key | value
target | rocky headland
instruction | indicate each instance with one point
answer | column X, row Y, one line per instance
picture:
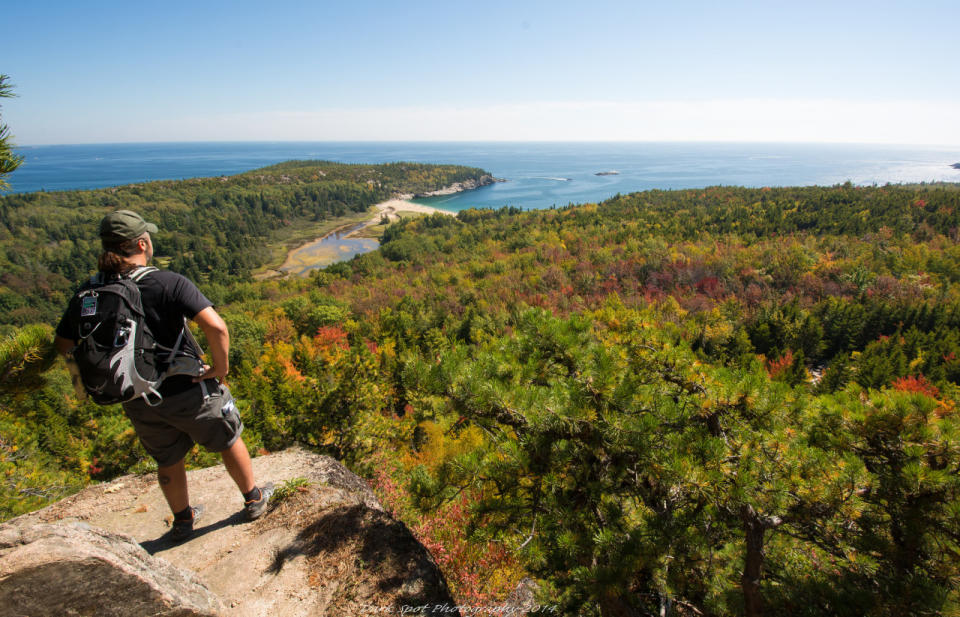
column 459, row 187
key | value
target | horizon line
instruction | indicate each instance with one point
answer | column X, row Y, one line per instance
column 937, row 146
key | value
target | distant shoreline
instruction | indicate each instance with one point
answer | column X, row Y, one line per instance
column 661, row 166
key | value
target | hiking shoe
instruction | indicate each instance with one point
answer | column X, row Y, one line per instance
column 255, row 509
column 181, row 530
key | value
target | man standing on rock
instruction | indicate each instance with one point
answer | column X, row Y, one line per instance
column 193, row 409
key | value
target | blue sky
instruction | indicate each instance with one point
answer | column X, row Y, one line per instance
column 601, row 70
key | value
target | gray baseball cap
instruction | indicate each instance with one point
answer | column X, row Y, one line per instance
column 124, row 225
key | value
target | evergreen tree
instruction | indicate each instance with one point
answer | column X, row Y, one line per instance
column 8, row 160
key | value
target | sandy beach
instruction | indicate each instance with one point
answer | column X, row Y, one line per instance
column 348, row 240
column 392, row 208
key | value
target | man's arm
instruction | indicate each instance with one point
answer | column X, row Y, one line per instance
column 63, row 345
column 218, row 338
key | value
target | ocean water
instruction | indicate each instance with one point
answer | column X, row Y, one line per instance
column 539, row 175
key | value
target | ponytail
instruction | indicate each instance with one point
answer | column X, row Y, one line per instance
column 112, row 260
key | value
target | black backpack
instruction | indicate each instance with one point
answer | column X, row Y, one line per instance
column 117, row 355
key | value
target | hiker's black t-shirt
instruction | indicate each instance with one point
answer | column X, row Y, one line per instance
column 167, row 298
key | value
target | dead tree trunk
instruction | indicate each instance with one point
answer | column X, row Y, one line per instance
column 754, row 528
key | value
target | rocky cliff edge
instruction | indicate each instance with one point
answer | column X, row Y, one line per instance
column 327, row 549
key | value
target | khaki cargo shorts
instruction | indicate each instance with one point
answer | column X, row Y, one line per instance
column 205, row 414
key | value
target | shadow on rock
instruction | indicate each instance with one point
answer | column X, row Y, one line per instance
column 379, row 555
column 164, row 542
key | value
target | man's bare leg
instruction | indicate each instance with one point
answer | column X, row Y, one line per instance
column 173, row 483
column 237, row 461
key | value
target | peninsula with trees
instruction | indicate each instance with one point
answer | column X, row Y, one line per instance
column 216, row 230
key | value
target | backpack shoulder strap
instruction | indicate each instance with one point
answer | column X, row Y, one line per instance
column 139, row 273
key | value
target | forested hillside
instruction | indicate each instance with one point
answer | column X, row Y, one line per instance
column 211, row 229
column 723, row 401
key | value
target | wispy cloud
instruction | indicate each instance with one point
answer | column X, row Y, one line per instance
column 777, row 120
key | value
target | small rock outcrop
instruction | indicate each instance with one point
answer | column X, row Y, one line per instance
column 523, row 598
column 59, row 570
column 328, row 548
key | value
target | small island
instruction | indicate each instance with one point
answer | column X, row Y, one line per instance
column 956, row 166
column 607, row 173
